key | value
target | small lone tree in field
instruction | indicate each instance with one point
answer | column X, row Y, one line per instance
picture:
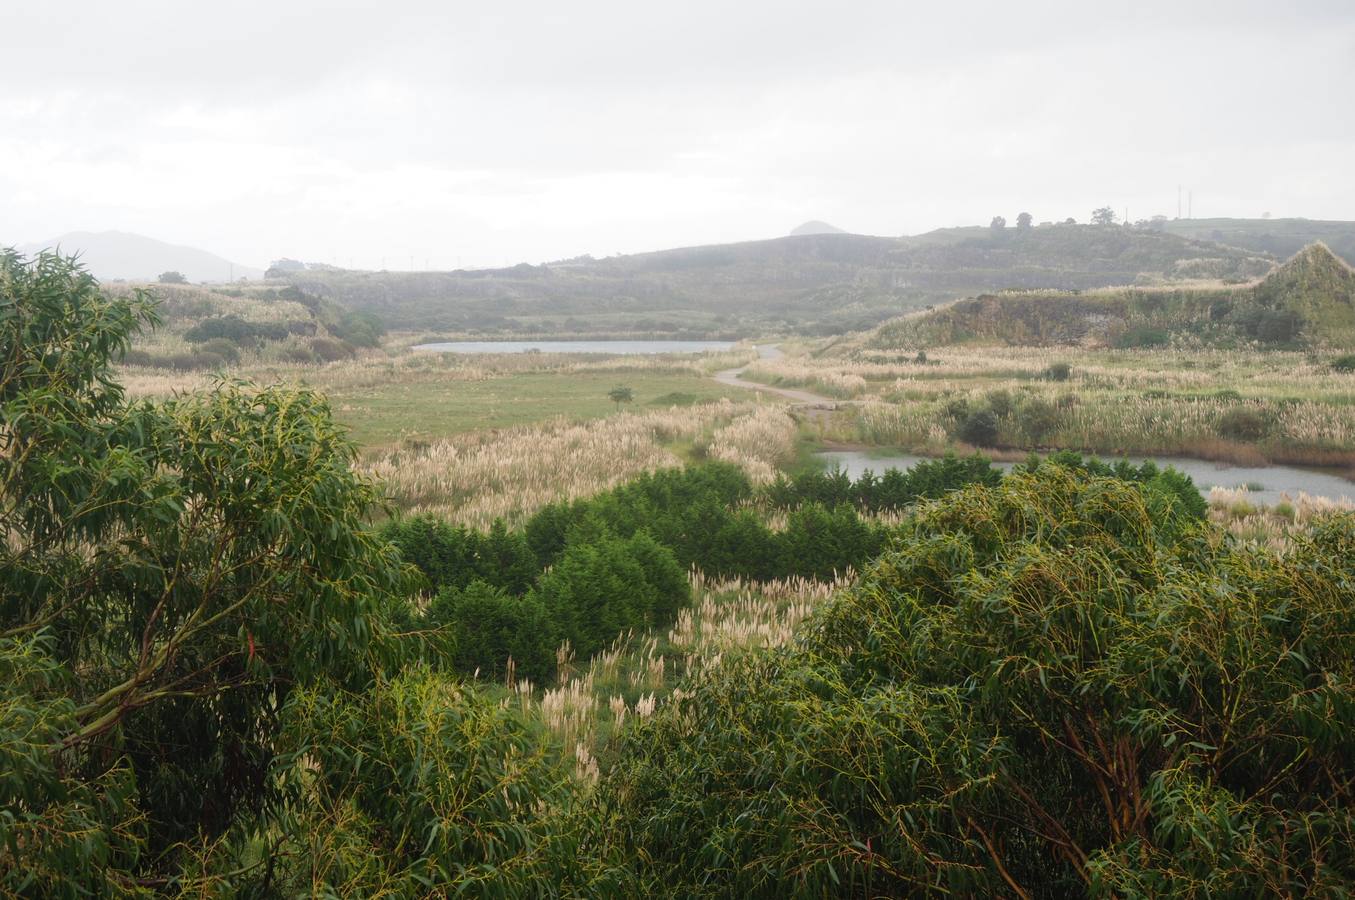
column 172, row 277
column 1103, row 216
column 620, row 394
column 1024, row 220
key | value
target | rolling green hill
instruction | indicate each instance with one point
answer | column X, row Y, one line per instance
column 1308, row 301
column 814, row 283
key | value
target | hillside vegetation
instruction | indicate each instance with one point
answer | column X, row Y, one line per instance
column 1308, row 301
column 1281, row 237
column 818, row 283
column 205, row 329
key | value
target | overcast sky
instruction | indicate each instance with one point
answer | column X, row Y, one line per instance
column 479, row 133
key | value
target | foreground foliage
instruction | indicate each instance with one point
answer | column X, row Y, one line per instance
column 214, row 681
column 1055, row 686
column 157, row 565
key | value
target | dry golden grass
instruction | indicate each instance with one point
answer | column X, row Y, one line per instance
column 637, row 674
column 1164, row 402
column 510, row 473
column 1235, row 510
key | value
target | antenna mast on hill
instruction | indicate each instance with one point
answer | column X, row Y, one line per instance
column 1190, row 205
column 1178, row 201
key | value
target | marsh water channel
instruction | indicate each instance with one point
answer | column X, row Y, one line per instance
column 1265, row 484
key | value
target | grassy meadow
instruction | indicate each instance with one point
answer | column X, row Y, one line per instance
column 1241, row 406
column 401, row 394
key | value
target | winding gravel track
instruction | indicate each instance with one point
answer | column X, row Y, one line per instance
column 771, row 351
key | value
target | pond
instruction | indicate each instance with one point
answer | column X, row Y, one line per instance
column 1266, row 483
column 613, row 347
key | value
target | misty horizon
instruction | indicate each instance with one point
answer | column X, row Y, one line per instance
column 420, row 134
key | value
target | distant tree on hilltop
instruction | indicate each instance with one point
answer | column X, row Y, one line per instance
column 172, row 277
column 1103, row 216
column 998, row 223
column 1024, row 220
column 280, row 267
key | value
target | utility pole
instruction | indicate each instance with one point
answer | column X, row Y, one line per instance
column 1178, row 201
column 1190, row 205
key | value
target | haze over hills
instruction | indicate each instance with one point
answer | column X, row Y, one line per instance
column 814, row 226
column 1308, row 301
column 1282, row 237
column 815, row 283
column 114, row 255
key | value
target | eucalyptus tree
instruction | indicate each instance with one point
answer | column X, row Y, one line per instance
column 169, row 573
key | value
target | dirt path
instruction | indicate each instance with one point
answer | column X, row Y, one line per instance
column 814, row 402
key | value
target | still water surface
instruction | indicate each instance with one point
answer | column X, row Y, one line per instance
column 1272, row 480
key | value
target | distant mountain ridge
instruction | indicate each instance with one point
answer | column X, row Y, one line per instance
column 814, row 226
column 1309, row 300
column 114, row 255
column 811, row 283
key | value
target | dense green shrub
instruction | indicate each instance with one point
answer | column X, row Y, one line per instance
column 454, row 556
column 413, row 788
column 1142, row 336
column 1055, row 687
column 134, row 357
column 486, row 626
column 821, row 543
column 330, row 350
column 297, row 354
column 1059, row 371
column 1344, row 363
column 604, row 586
column 978, row 428
column 894, row 490
column 240, row 332
column 359, row 328
column 999, row 402
column 1244, row 424
column 1177, row 487
column 1038, row 419
column 221, row 347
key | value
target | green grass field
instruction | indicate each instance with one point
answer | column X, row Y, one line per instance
column 385, row 414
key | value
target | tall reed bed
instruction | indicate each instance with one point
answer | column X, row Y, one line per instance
column 1246, row 431
column 475, row 478
column 1237, row 511
column 639, row 673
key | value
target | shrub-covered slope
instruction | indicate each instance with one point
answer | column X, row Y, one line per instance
column 1281, row 237
column 1309, row 300
column 814, row 282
